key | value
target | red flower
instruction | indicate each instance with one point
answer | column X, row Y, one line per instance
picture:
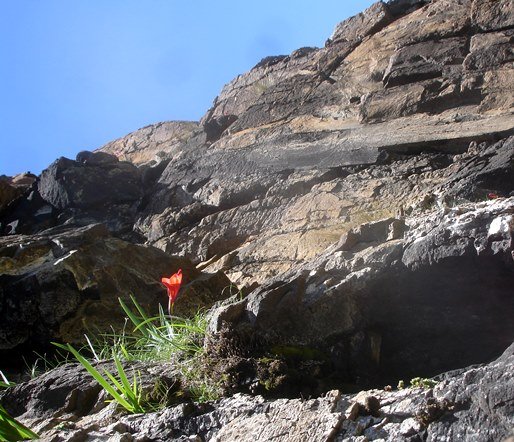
column 173, row 286
column 492, row 196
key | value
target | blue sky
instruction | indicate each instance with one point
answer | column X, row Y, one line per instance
column 75, row 74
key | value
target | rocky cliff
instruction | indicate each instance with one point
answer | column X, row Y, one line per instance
column 360, row 196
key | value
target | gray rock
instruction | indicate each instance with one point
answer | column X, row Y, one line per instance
column 375, row 304
column 472, row 404
column 59, row 284
column 69, row 184
column 489, row 15
column 357, row 193
column 152, row 143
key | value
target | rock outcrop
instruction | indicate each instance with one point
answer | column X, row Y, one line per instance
column 153, row 143
column 387, row 86
column 65, row 282
column 359, row 195
column 396, row 297
column 471, row 404
column 12, row 187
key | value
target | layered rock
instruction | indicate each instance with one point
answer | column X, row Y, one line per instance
column 153, row 143
column 472, row 404
column 395, row 297
column 65, row 282
column 361, row 196
column 397, row 80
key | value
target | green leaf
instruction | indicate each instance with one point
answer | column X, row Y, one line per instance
column 113, row 391
column 133, row 318
column 13, row 430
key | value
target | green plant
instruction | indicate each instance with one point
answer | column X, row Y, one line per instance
column 200, row 383
column 422, row 383
column 10, row 428
column 127, row 394
column 164, row 336
column 232, row 290
column 4, row 383
column 44, row 363
column 13, row 430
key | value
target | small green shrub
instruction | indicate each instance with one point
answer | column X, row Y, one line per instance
column 422, row 383
column 159, row 338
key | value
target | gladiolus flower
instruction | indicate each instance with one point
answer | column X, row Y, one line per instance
column 172, row 284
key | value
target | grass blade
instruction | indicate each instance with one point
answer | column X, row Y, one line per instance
column 13, row 430
column 98, row 377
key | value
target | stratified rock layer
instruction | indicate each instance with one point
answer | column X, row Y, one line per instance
column 282, row 166
column 65, row 282
column 152, row 143
column 359, row 194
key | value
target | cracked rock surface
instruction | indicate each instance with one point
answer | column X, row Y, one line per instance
column 474, row 403
column 359, row 196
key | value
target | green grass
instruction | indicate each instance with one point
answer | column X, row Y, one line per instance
column 10, row 428
column 160, row 338
column 127, row 394
column 157, row 338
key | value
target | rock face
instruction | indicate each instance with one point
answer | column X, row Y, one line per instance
column 472, row 404
column 152, row 143
column 66, row 281
column 272, row 180
column 360, row 195
column 396, row 297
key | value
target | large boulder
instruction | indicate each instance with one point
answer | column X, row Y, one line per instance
column 90, row 182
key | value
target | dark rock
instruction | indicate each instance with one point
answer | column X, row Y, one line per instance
column 358, row 189
column 66, row 281
column 369, row 22
column 490, row 171
column 96, row 158
column 270, row 61
column 303, row 52
column 215, row 127
column 12, row 188
column 27, row 214
column 370, row 303
column 402, row 7
column 64, row 395
column 67, row 183
column 8, row 193
column 474, row 404
column 66, row 389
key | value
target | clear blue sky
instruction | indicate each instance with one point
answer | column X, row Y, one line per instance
column 75, row 74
